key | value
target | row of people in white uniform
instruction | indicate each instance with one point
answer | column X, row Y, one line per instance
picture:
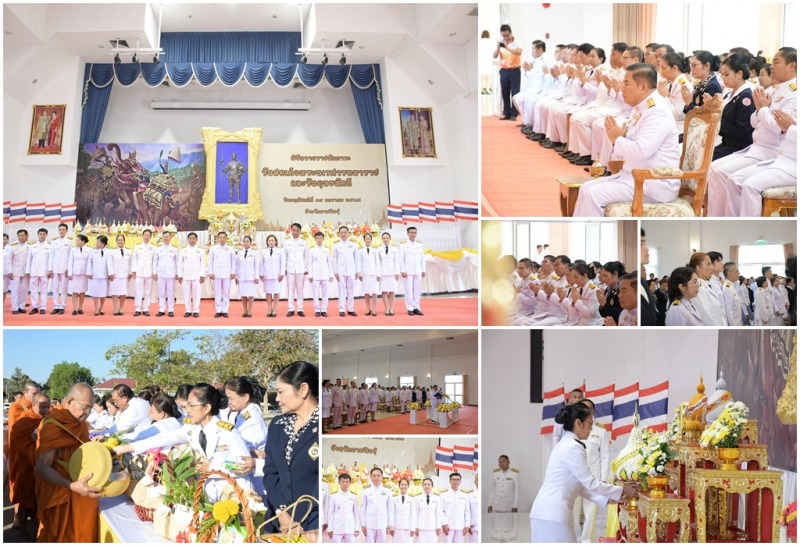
column 101, row 272
column 351, row 404
column 451, row 516
column 708, row 292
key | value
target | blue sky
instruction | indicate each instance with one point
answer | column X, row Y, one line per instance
column 35, row 351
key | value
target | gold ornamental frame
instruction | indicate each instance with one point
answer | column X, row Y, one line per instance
column 411, row 151
column 211, row 137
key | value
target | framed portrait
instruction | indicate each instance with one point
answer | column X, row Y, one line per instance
column 232, row 173
column 47, row 129
column 416, row 125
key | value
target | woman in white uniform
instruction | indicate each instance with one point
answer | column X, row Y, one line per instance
column 567, row 476
column 97, row 270
column 76, row 273
column 405, row 515
column 244, row 412
column 389, row 272
column 708, row 303
column 248, row 270
column 219, row 445
column 764, row 302
column 369, row 268
column 273, row 264
column 118, row 281
column 327, row 404
column 165, row 415
column 682, row 291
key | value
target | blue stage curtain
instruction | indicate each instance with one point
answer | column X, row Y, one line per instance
column 225, row 47
column 256, row 73
column 310, row 74
column 282, row 74
column 126, row 74
column 205, row 73
column 179, row 73
column 230, row 73
column 369, row 103
column 337, row 75
column 95, row 104
column 102, row 74
column 154, row 74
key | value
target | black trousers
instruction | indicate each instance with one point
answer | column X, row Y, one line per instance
column 509, row 86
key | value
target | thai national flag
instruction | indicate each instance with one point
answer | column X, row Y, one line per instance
column 466, row 210
column 34, row 212
column 427, row 212
column 52, row 212
column 69, row 213
column 411, row 212
column 445, row 212
column 444, row 458
column 654, row 407
column 395, row 214
column 475, row 459
column 17, row 212
column 6, row 211
column 553, row 401
column 625, row 400
column 603, row 405
column 462, row 457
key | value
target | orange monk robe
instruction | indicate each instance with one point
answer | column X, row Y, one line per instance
column 15, row 411
column 22, row 460
column 64, row 516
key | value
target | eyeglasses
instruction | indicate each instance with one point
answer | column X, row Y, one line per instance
column 695, row 65
column 195, row 405
column 85, row 408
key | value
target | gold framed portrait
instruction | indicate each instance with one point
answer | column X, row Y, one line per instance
column 416, row 127
column 47, row 129
column 231, row 173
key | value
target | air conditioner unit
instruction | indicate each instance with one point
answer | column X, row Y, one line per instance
column 211, row 105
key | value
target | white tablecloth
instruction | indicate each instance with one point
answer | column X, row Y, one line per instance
column 121, row 518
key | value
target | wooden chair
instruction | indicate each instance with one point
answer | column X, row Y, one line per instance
column 781, row 200
column 700, row 129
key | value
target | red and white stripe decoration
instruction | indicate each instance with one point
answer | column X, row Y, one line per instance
column 436, row 212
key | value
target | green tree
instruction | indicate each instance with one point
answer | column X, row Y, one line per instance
column 150, row 359
column 14, row 383
column 64, row 375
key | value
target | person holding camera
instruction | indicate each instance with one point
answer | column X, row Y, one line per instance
column 510, row 54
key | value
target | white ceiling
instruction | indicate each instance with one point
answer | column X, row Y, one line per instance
column 232, row 17
column 342, row 342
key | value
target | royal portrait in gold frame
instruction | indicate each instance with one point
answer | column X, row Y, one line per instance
column 416, row 131
column 47, row 129
column 231, row 186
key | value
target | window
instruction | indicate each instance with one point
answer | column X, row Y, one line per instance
column 652, row 267
column 454, row 387
column 753, row 257
column 407, row 381
column 370, row 381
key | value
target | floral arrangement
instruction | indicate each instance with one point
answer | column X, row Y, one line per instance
column 224, row 516
column 112, row 441
column 656, row 453
column 414, row 406
column 179, row 483
column 789, row 520
column 726, row 430
column 675, row 427
column 449, row 406
column 427, row 403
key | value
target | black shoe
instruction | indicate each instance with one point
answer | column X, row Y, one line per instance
column 187, row 315
column 160, row 314
column 15, row 312
column 34, row 311
column 324, row 314
column 317, row 313
column 62, row 311
column 552, row 145
column 301, row 314
column 513, row 118
column 171, row 314
column 561, row 149
column 505, row 118
column 411, row 313
column 146, row 313
column 341, row 313
column 290, row 314
column 352, row 313
column 418, row 312
column 80, row 311
column 74, row 313
column 586, row 169
column 544, row 141
column 537, row 136
column 217, row 315
column 54, row 312
column 585, row 160
column 196, row 315
column 224, row 315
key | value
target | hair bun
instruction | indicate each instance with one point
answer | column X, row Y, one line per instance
column 562, row 415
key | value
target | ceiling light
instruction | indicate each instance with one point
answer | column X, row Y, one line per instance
column 324, row 59
column 34, row 81
column 430, row 82
column 155, row 58
column 274, row 15
column 304, row 60
column 452, row 34
column 361, row 47
column 135, row 59
column 117, row 60
column 342, row 60
column 9, row 33
column 450, row 338
column 101, row 46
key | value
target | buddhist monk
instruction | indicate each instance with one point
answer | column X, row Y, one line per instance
column 67, row 509
column 15, row 411
column 23, row 439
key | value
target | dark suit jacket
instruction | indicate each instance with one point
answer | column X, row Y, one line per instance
column 413, row 396
column 424, row 396
column 285, row 484
column 661, row 306
column 735, row 128
column 649, row 314
column 711, row 87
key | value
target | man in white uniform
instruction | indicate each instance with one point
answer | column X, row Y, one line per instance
column 730, row 292
column 221, row 270
column 296, row 269
column 504, row 500
column 412, row 267
column 19, row 281
column 191, row 274
column 454, row 505
column 165, row 269
column 649, row 140
column 345, row 269
column 342, row 514
column 377, row 516
column 37, row 270
column 59, row 258
column 142, row 272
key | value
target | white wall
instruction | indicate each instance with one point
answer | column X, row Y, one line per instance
column 570, row 357
column 675, row 240
column 459, row 357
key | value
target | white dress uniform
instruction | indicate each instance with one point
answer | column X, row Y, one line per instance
column 59, row 260
column 20, row 283
column 142, row 267
column 568, row 475
column 744, row 299
column 248, row 270
column 224, row 445
column 165, row 266
column 675, row 100
column 599, row 461
column 343, row 517
column 191, row 268
column 503, row 497
column 337, row 397
column 454, row 506
column 320, row 272
column 351, row 399
column 38, row 267
column 133, row 419
column 629, row 318
column 412, row 263
column 585, row 311
column 363, row 403
column 253, row 429
column 169, row 424
column 525, row 299
column 778, row 307
column 7, row 250
column 727, row 175
column 376, row 513
column 273, row 265
column 713, row 306
column 733, row 307
column 327, row 403
column 389, row 259
column 346, row 266
column 683, row 312
column 764, row 175
column 405, row 518
column 581, row 124
column 535, row 78
column 296, row 260
column 121, row 258
column 651, row 141
column 373, row 401
column 98, row 266
column 429, row 518
column 474, row 515
column 369, row 268
column 222, row 264
column 553, row 312
column 764, row 306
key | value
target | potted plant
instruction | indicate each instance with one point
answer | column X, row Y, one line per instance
column 656, row 454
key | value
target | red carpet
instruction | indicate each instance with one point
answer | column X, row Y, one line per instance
column 398, row 424
column 518, row 177
column 439, row 311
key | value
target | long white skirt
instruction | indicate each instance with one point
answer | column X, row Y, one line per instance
column 543, row 531
column 98, row 288
column 118, row 287
column 272, row 286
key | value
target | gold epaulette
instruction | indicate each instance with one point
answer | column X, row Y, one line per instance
column 187, row 421
column 676, row 302
column 496, row 470
column 225, row 425
column 515, row 470
column 246, row 415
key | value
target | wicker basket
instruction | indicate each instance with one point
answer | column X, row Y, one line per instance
column 144, row 514
column 154, row 471
column 294, row 531
column 247, row 515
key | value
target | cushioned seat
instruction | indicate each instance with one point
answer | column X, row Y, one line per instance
column 679, row 208
column 779, row 201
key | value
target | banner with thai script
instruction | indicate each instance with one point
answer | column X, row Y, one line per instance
column 383, row 452
column 323, row 183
